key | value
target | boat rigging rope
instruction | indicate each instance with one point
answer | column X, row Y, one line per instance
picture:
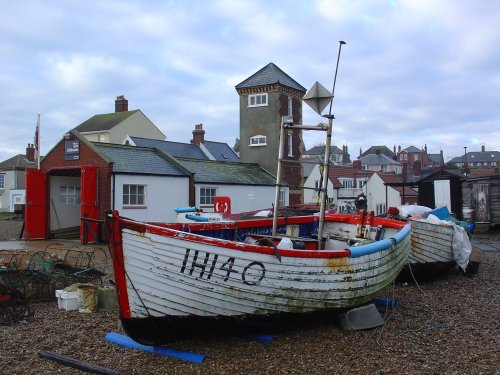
column 368, row 339
column 430, row 309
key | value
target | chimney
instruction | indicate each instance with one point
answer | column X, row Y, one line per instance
column 425, row 148
column 360, row 153
column 30, row 153
column 121, row 104
column 198, row 135
column 483, row 148
column 417, row 168
column 399, row 149
column 442, row 157
column 356, row 164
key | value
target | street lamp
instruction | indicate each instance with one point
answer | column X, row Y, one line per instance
column 465, row 161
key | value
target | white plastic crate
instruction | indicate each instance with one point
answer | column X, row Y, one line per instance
column 68, row 300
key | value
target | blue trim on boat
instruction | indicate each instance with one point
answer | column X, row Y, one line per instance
column 127, row 342
column 374, row 247
column 185, row 209
column 403, row 233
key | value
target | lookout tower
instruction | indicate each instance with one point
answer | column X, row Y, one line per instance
column 265, row 97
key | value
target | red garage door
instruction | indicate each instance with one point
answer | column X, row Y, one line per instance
column 89, row 204
column 36, row 205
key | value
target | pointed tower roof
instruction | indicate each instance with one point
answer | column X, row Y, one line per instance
column 268, row 75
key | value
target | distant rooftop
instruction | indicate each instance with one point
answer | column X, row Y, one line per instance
column 139, row 160
column 378, row 149
column 220, row 151
column 380, row 159
column 104, row 122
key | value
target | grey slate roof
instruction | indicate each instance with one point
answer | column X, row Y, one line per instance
column 320, row 150
column 270, row 74
column 104, row 122
column 436, row 158
column 18, row 162
column 139, row 160
column 382, row 149
column 478, row 157
column 176, row 149
column 412, row 149
column 220, row 151
column 374, row 159
column 216, row 172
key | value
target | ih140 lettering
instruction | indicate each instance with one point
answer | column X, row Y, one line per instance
column 202, row 265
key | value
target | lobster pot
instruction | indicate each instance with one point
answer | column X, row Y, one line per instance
column 467, row 206
column 495, row 202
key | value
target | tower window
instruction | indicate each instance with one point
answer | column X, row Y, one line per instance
column 257, row 100
column 258, row 140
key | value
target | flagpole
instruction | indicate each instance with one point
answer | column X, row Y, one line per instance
column 37, row 140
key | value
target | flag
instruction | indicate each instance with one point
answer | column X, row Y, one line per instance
column 37, row 142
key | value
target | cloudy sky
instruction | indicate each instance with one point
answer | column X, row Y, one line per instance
column 413, row 72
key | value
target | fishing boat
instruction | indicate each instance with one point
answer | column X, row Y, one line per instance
column 439, row 243
column 188, row 279
column 438, row 246
column 176, row 281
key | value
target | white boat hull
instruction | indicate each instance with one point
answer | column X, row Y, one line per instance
column 431, row 243
column 174, row 284
column 172, row 277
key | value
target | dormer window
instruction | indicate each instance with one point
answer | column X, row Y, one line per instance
column 258, row 140
column 257, row 100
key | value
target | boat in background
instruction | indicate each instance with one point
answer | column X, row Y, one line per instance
column 439, row 243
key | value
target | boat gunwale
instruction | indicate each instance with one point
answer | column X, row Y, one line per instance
column 357, row 251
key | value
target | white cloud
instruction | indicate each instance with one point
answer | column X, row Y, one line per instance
column 412, row 72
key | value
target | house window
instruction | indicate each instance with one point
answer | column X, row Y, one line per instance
column 403, row 157
column 258, row 140
column 69, row 195
column 2, row 180
column 257, row 100
column 415, row 157
column 347, row 184
column 380, row 208
column 100, row 138
column 134, row 195
column 207, row 196
column 290, row 107
column 282, row 198
column 290, row 144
